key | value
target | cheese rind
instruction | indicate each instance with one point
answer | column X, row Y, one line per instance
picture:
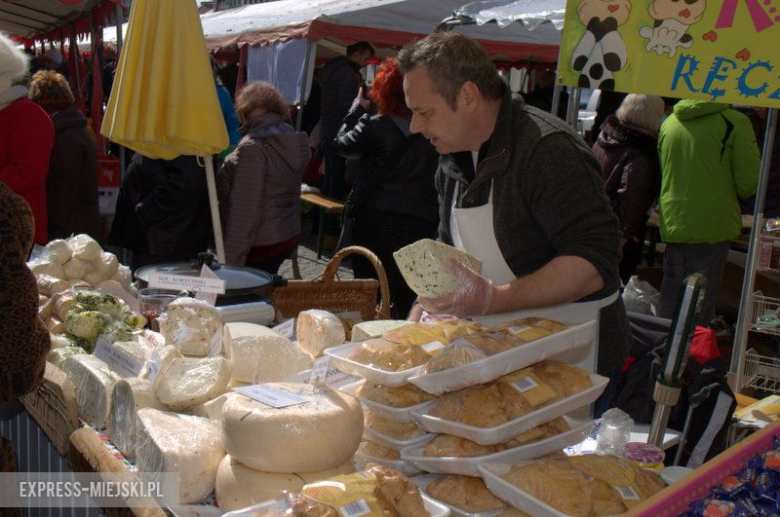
column 189, row 325
column 317, row 330
column 93, row 382
column 190, row 381
column 129, row 395
column 188, row 445
column 239, row 486
column 317, row 435
column 258, row 354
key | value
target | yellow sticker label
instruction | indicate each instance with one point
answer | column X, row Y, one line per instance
column 351, row 495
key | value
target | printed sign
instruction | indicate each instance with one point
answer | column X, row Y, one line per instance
column 195, row 284
column 209, row 296
column 717, row 51
column 271, row 396
column 117, row 359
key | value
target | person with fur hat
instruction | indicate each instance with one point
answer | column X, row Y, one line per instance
column 26, row 136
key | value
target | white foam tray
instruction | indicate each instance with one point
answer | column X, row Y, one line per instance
column 505, row 432
column 424, row 480
column 508, row 492
column 492, row 367
column 392, row 443
column 432, row 506
column 340, row 356
column 404, row 467
column 469, row 466
column 393, row 413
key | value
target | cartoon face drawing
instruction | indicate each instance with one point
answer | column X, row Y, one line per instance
column 603, row 9
column 672, row 20
column 601, row 51
column 684, row 11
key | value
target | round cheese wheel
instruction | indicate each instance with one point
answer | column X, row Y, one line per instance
column 320, row 434
column 239, row 486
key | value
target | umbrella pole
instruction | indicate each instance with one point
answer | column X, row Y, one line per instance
column 214, row 205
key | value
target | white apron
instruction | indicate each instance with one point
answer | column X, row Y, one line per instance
column 472, row 231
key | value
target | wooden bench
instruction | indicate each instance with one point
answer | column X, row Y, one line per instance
column 326, row 205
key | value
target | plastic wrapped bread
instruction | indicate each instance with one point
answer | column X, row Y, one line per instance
column 368, row 329
column 239, row 486
column 128, row 397
column 258, row 354
column 467, row 493
column 317, row 330
column 400, row 397
column 189, row 445
column 93, row 382
column 425, row 267
column 189, row 325
column 400, row 431
column 389, row 356
column 320, row 434
column 190, row 381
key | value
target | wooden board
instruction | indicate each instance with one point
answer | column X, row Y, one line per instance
column 53, row 406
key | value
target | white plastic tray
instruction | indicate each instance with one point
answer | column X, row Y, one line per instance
column 424, row 480
column 393, row 413
column 506, row 491
column 505, row 432
column 404, row 467
column 432, row 506
column 469, row 466
column 340, row 356
column 392, row 443
column 492, row 367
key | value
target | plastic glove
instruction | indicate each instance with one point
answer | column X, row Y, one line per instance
column 471, row 297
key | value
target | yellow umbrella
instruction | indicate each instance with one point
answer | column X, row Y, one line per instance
column 164, row 102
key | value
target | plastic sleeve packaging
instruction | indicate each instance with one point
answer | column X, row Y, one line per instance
column 46, row 266
column 128, row 397
column 84, row 247
column 59, row 251
column 48, row 285
column 257, row 354
column 189, row 445
column 191, row 381
column 459, row 352
column 368, row 329
column 239, row 486
column 395, row 430
column 317, row 330
column 189, row 325
column 58, row 355
column 316, row 435
column 400, row 397
column 93, row 383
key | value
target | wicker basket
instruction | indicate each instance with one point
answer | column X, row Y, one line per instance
column 327, row 292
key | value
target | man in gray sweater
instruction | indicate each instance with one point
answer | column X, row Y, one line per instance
column 518, row 189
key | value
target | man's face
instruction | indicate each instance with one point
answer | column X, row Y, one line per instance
column 447, row 129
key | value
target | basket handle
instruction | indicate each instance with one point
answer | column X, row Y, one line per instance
column 383, row 310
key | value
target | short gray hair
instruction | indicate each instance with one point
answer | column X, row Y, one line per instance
column 642, row 111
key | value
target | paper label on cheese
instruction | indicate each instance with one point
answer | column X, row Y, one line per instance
column 319, row 373
column 272, row 396
column 433, row 347
column 117, row 360
column 153, row 365
column 208, row 296
column 215, row 345
column 287, row 328
column 195, row 284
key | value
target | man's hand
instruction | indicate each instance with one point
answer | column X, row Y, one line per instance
column 362, row 101
column 416, row 313
column 471, row 297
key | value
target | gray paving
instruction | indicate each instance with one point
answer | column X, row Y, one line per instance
column 308, row 263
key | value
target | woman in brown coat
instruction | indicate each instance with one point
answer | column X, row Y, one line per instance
column 259, row 185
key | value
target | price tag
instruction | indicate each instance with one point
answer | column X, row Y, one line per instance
column 525, row 384
column 195, row 284
column 215, row 345
column 432, row 347
column 153, row 366
column 209, row 296
column 117, row 359
column 287, row 328
column 628, row 493
column 355, row 509
column 319, row 373
column 271, row 396
column 338, row 379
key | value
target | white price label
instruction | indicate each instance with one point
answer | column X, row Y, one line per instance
column 271, row 396
column 518, row 329
column 208, row 296
column 287, row 328
column 432, row 347
column 525, row 384
column 627, row 493
column 215, row 345
column 195, row 284
column 153, row 366
column 319, row 373
column 117, row 360
column 355, row 509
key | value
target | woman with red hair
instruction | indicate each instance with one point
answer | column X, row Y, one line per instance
column 393, row 201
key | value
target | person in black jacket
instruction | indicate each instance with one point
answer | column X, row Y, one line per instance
column 162, row 213
column 339, row 80
column 393, row 202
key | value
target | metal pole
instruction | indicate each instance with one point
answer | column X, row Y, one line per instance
column 216, row 223
column 304, row 81
column 120, row 18
column 748, row 281
column 572, row 109
column 556, row 100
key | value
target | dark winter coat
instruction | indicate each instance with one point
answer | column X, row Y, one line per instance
column 71, row 184
column 339, row 81
column 259, row 187
column 24, row 342
column 632, row 175
column 163, row 208
column 396, row 169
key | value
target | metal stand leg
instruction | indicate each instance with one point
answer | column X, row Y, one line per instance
column 321, row 233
